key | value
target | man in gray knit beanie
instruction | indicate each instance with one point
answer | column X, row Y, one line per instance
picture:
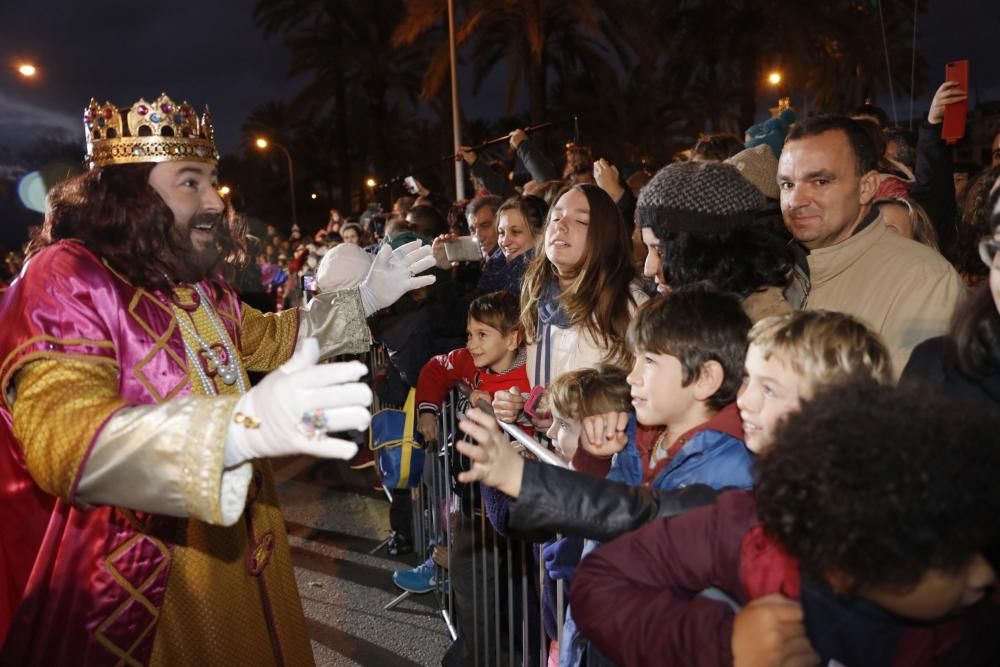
column 700, row 197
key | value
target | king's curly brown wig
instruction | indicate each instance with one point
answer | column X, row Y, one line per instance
column 116, row 214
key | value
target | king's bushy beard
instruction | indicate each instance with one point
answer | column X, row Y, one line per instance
column 194, row 261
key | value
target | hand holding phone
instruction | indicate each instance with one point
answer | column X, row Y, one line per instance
column 462, row 249
column 953, row 128
column 535, row 407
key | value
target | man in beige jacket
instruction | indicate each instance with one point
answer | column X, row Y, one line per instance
column 848, row 259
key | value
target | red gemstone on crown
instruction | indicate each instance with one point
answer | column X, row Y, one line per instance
column 108, row 113
column 167, row 107
column 142, row 110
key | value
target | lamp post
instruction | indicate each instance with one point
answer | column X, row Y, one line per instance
column 455, row 120
column 263, row 143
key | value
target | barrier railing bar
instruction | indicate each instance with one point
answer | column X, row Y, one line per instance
column 536, row 448
column 510, row 605
column 542, row 658
column 496, row 597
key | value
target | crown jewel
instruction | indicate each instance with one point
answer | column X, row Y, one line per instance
column 157, row 131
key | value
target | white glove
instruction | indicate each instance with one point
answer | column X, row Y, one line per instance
column 293, row 408
column 394, row 273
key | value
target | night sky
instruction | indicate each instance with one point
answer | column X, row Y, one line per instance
column 210, row 52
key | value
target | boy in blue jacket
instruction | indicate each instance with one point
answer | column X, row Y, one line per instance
column 689, row 351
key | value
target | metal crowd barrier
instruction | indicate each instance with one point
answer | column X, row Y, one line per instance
column 488, row 588
column 378, row 358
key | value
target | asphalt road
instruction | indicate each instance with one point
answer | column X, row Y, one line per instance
column 335, row 516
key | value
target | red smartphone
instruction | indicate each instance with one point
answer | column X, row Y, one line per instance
column 953, row 127
column 531, row 404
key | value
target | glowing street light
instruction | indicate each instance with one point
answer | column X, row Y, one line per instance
column 774, row 78
column 371, row 182
column 263, row 144
column 312, row 196
column 27, row 70
column 224, row 191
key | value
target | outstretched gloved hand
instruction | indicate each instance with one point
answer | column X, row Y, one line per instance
column 293, row 408
column 394, row 273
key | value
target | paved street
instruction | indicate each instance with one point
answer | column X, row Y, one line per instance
column 335, row 517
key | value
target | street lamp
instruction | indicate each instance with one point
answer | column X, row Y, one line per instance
column 455, row 118
column 27, row 70
column 262, row 144
column 224, row 191
column 370, row 182
column 774, row 78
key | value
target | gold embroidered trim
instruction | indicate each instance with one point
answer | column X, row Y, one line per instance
column 202, row 457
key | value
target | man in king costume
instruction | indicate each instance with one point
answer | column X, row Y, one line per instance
column 140, row 523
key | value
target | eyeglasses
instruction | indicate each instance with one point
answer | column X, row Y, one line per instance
column 988, row 250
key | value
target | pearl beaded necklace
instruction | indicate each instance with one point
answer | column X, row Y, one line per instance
column 229, row 372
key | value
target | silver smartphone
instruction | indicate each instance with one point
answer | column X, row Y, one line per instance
column 462, row 249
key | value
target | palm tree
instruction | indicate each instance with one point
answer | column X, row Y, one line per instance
column 831, row 52
column 356, row 77
column 531, row 37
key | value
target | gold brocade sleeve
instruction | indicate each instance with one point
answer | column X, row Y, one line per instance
column 58, row 409
column 336, row 319
column 165, row 458
column 267, row 339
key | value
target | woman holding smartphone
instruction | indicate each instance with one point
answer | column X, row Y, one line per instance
column 520, row 221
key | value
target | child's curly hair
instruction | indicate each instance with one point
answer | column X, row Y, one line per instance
column 882, row 484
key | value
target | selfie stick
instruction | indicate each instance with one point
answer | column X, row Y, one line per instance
column 502, row 138
column 492, row 142
column 532, row 445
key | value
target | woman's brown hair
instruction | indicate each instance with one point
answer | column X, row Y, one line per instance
column 599, row 299
column 973, row 342
column 117, row 215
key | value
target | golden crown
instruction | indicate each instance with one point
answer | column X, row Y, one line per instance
column 148, row 132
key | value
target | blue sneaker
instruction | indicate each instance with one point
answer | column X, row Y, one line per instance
column 420, row 579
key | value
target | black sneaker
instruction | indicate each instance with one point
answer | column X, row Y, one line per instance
column 399, row 545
